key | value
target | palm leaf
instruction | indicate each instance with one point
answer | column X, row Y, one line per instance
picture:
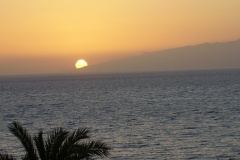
column 39, row 142
column 71, row 140
column 26, row 140
column 78, row 157
column 60, row 145
column 54, row 143
column 90, row 149
column 6, row 157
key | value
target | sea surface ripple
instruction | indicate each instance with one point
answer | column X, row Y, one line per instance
column 168, row 115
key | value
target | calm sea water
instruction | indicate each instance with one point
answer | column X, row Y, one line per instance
column 174, row 115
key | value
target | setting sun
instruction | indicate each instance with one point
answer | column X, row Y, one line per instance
column 81, row 63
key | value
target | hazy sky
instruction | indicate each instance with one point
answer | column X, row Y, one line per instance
column 47, row 36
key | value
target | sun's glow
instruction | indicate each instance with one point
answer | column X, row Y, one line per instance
column 81, row 63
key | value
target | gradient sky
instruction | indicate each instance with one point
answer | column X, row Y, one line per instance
column 43, row 36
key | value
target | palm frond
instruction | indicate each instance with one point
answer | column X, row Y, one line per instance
column 71, row 140
column 54, row 143
column 90, row 149
column 60, row 145
column 79, row 134
column 78, row 157
column 6, row 157
column 26, row 140
column 39, row 142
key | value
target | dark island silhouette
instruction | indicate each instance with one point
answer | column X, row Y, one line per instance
column 205, row 56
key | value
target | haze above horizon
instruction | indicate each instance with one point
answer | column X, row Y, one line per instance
column 41, row 37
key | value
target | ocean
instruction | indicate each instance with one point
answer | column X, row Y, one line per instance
column 165, row 115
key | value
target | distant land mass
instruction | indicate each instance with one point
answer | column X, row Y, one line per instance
column 205, row 56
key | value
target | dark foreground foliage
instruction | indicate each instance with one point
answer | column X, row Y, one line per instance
column 59, row 145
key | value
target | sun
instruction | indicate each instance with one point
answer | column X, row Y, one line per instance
column 81, row 63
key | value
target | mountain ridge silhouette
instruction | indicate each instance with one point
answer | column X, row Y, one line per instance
column 219, row 55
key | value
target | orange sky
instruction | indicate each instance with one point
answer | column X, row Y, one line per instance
column 49, row 36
